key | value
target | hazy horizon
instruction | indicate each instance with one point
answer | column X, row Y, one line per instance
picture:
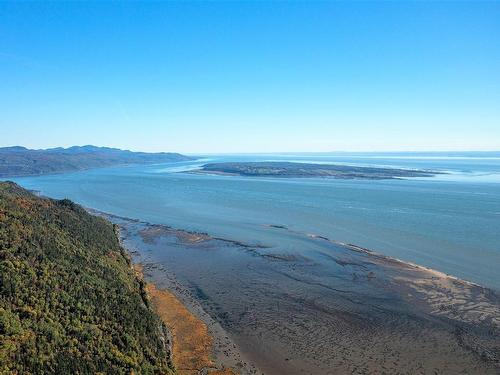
column 464, row 151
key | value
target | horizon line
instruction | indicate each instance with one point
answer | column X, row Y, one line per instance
column 268, row 152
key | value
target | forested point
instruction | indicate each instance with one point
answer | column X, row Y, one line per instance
column 69, row 300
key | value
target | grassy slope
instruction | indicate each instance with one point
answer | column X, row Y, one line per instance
column 69, row 301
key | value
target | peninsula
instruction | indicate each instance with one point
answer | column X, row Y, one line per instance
column 21, row 161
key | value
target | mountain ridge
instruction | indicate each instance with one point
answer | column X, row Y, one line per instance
column 17, row 161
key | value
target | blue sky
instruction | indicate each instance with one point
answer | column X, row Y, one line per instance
column 251, row 77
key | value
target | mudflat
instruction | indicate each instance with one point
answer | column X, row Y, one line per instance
column 325, row 308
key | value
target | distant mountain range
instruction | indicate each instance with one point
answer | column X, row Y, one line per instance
column 21, row 161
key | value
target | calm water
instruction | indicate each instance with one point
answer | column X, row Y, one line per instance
column 451, row 222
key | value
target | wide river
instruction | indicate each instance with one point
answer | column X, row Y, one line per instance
column 450, row 223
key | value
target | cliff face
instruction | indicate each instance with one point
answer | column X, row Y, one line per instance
column 69, row 300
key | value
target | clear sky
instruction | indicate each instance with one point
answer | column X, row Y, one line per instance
column 251, row 77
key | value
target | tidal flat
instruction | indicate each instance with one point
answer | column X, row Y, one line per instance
column 325, row 308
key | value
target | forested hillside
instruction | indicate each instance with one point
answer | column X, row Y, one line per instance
column 69, row 300
column 20, row 161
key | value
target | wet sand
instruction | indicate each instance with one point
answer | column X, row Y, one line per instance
column 326, row 308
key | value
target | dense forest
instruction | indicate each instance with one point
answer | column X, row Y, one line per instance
column 69, row 300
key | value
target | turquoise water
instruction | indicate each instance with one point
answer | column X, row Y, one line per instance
column 450, row 223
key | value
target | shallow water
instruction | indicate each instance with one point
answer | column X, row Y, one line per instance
column 450, row 222
column 326, row 308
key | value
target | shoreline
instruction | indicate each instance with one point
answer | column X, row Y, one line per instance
column 350, row 246
column 225, row 355
column 199, row 344
column 434, row 295
column 191, row 343
column 223, row 358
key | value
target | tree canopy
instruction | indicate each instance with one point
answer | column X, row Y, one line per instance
column 70, row 302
